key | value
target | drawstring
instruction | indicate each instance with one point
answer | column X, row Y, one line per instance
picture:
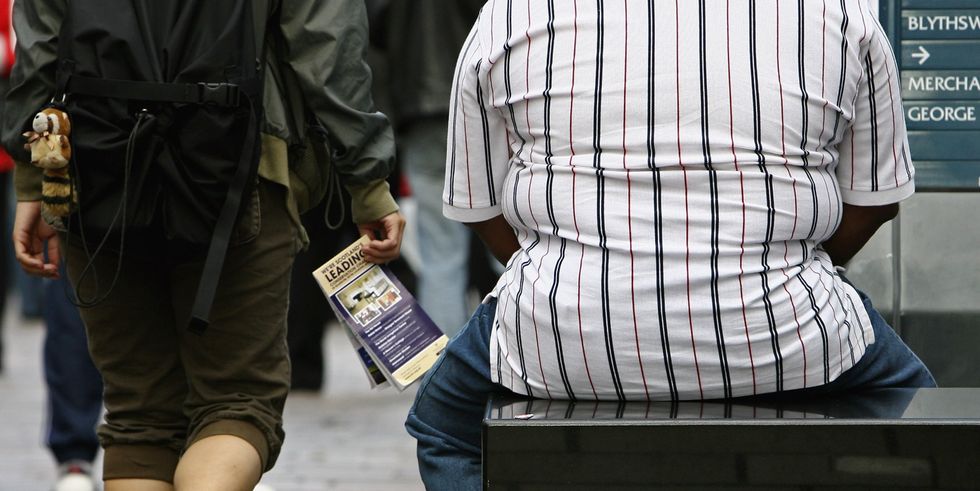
column 141, row 117
column 334, row 190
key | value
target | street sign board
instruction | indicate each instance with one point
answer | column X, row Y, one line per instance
column 938, row 48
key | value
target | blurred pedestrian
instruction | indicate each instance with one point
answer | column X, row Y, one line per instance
column 74, row 389
column 422, row 39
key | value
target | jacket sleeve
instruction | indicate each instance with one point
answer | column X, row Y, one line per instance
column 32, row 82
column 325, row 43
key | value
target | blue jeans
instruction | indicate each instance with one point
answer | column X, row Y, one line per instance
column 451, row 402
column 444, row 245
column 74, row 385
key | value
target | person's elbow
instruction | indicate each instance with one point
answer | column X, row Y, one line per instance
column 886, row 213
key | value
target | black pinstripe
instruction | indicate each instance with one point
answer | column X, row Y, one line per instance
column 823, row 328
column 600, row 204
column 491, row 186
column 770, row 205
column 713, row 184
column 553, row 293
column 658, row 224
column 843, row 67
column 873, row 103
column 805, row 110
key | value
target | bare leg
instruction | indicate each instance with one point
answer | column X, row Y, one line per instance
column 137, row 485
column 218, row 463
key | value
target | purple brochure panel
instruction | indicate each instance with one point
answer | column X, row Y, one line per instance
column 386, row 318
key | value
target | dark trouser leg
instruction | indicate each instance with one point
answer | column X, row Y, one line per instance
column 131, row 336
column 238, row 370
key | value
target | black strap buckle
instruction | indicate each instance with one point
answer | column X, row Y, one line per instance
column 221, row 94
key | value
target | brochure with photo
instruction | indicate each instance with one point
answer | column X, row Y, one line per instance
column 393, row 335
column 374, row 374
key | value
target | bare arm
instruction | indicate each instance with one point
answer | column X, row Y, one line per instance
column 857, row 225
column 498, row 235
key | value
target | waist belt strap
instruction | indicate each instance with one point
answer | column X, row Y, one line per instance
column 207, row 286
column 221, row 94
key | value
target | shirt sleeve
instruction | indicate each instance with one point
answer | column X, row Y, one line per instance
column 478, row 152
column 875, row 168
column 32, row 83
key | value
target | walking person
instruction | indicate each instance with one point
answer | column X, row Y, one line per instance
column 181, row 243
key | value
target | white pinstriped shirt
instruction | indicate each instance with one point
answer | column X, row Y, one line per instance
column 671, row 168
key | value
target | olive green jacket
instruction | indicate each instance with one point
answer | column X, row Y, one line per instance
column 315, row 72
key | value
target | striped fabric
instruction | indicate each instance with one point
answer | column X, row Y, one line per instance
column 670, row 168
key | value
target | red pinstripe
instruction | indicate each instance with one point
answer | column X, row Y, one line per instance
column 891, row 98
column 782, row 121
column 741, row 182
column 527, row 83
column 782, row 126
column 687, row 211
column 823, row 91
column 578, row 234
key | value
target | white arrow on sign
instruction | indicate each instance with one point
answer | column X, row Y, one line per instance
column 923, row 55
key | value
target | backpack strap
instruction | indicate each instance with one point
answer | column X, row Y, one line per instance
column 207, row 287
column 221, row 94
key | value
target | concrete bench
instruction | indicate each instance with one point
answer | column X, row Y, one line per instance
column 889, row 439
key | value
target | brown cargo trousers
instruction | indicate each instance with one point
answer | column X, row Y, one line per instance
column 165, row 387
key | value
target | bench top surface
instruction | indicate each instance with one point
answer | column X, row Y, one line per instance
column 960, row 405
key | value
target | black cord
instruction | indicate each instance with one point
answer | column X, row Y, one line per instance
column 334, row 190
column 79, row 301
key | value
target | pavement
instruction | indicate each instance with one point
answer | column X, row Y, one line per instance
column 346, row 438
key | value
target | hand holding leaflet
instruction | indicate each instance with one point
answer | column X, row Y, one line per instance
column 384, row 320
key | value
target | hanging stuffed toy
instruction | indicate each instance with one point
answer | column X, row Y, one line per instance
column 51, row 151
